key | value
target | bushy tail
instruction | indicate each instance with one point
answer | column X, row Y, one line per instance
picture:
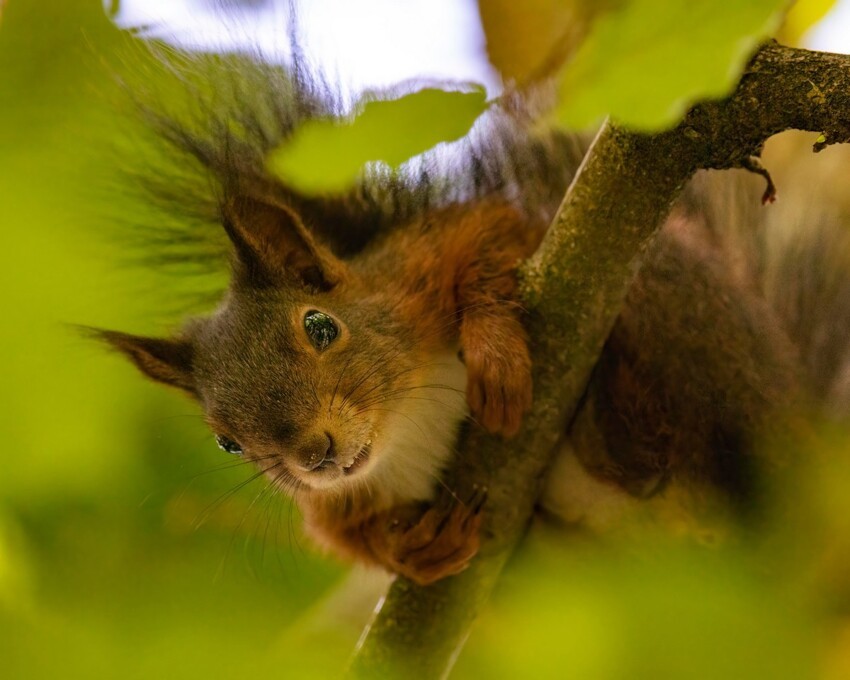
column 215, row 119
column 796, row 251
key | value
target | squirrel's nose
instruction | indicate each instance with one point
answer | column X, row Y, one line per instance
column 316, row 452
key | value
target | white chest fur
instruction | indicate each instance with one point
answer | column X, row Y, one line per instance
column 421, row 433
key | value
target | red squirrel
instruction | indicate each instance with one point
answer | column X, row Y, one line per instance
column 347, row 380
column 359, row 332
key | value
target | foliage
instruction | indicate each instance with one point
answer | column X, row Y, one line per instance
column 643, row 62
column 771, row 601
column 326, row 155
column 119, row 558
column 103, row 572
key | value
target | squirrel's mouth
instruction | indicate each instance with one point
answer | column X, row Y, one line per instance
column 359, row 460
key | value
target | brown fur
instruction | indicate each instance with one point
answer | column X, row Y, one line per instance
column 462, row 264
column 422, row 542
column 441, row 284
column 697, row 370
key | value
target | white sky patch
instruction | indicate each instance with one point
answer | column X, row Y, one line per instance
column 833, row 33
column 364, row 44
column 360, row 45
column 197, row 25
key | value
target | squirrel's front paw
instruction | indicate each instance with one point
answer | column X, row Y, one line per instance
column 439, row 543
column 498, row 381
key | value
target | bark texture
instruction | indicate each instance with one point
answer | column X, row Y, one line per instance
column 573, row 288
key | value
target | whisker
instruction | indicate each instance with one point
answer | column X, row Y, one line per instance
column 398, row 397
column 228, row 466
column 235, row 532
column 177, row 416
column 396, row 348
column 267, row 510
column 398, row 413
column 396, row 375
column 338, row 380
column 385, row 396
column 187, row 482
column 371, row 370
column 205, row 514
column 445, row 486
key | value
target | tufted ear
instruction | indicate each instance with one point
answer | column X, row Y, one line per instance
column 273, row 247
column 166, row 361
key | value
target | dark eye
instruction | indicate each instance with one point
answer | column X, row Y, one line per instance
column 321, row 329
column 228, row 445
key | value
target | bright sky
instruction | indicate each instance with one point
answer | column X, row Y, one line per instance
column 833, row 33
column 368, row 43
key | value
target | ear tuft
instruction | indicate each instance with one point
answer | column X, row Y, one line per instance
column 165, row 361
column 274, row 247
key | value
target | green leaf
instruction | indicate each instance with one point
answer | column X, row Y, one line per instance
column 531, row 39
column 326, row 156
column 647, row 62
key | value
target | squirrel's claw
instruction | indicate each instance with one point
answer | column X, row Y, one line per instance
column 440, row 543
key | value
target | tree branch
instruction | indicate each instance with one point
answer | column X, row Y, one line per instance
column 574, row 287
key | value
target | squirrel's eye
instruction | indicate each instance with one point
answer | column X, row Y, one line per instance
column 228, row 445
column 321, row 329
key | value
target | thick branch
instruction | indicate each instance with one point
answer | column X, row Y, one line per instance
column 574, row 287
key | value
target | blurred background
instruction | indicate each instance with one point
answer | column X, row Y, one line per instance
column 130, row 546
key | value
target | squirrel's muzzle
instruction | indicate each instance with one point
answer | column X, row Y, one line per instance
column 316, row 452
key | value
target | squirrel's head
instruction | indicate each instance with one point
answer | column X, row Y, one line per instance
column 304, row 368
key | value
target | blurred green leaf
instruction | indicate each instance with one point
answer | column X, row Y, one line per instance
column 647, row 62
column 657, row 609
column 121, row 557
column 15, row 569
column 528, row 40
column 105, row 480
column 326, row 156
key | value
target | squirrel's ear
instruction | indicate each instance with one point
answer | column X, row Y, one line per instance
column 273, row 246
column 166, row 361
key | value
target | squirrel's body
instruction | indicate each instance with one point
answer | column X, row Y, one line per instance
column 360, row 331
column 697, row 374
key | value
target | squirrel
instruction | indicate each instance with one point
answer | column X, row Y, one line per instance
column 342, row 379
column 360, row 332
